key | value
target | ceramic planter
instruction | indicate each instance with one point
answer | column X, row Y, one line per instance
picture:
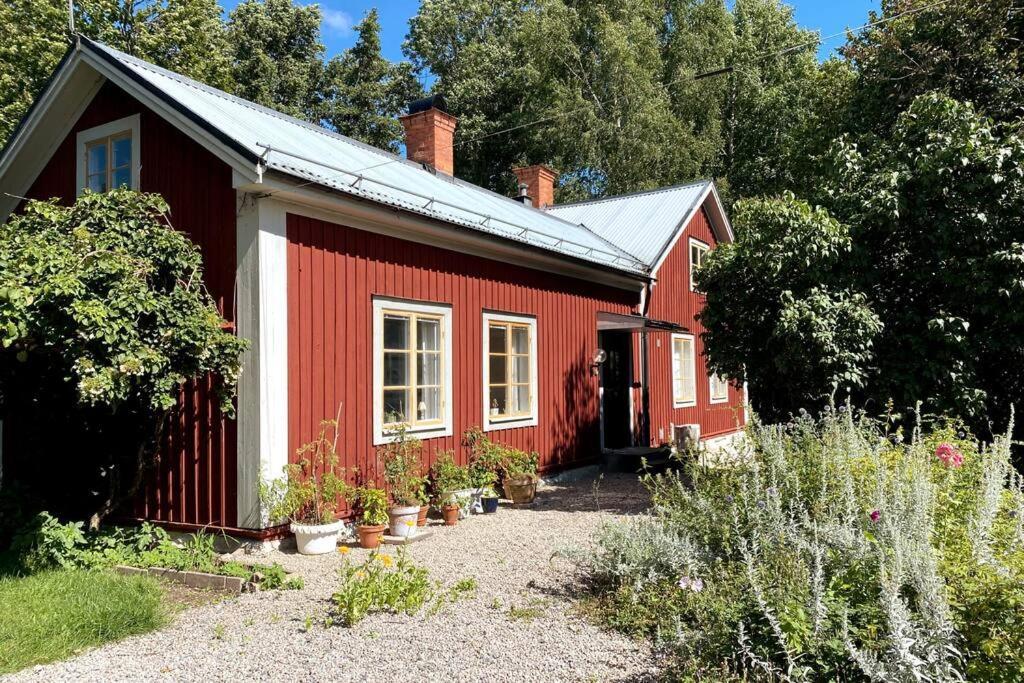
column 369, row 536
column 469, row 500
column 450, row 514
column 403, row 520
column 316, row 539
column 421, row 520
column 490, row 505
column 522, row 490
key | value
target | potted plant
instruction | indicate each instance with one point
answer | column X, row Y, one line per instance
column 520, row 476
column 309, row 493
column 373, row 516
column 489, row 500
column 450, row 510
column 449, row 482
column 401, row 460
column 424, row 499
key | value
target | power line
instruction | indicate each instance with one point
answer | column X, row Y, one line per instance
column 696, row 77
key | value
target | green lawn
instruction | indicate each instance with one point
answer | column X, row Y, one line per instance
column 52, row 615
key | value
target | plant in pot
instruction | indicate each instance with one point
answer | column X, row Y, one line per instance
column 520, row 476
column 449, row 483
column 424, row 500
column 489, row 500
column 450, row 510
column 373, row 516
column 309, row 493
column 400, row 458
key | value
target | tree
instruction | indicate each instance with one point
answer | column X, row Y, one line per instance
column 278, row 56
column 778, row 312
column 103, row 318
column 365, row 92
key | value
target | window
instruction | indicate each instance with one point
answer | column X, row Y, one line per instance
column 698, row 252
column 412, row 368
column 510, row 371
column 719, row 388
column 108, row 156
column 684, row 387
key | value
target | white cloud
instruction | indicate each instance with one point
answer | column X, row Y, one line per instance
column 336, row 20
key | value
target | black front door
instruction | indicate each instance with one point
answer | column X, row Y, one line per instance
column 617, row 380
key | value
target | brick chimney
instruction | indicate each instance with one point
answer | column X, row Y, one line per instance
column 540, row 184
column 430, row 134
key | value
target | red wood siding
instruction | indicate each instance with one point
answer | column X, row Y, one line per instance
column 333, row 274
column 195, row 479
column 672, row 300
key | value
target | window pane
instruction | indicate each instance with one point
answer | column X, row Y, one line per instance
column 520, row 340
column 122, row 152
column 122, row 177
column 428, row 369
column 428, row 404
column 520, row 369
column 98, row 183
column 428, row 335
column 499, row 400
column 521, row 399
column 97, row 159
column 498, row 373
column 396, row 406
column 498, row 339
column 396, row 332
column 396, row 369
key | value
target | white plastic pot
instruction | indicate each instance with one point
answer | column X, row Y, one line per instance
column 469, row 501
column 316, row 539
column 403, row 520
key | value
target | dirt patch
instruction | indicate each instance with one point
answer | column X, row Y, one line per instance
column 180, row 597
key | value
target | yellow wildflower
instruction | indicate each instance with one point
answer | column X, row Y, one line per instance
column 344, row 549
column 385, row 560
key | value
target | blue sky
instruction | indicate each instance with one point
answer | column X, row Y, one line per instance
column 827, row 16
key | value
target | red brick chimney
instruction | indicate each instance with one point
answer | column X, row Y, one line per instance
column 430, row 134
column 540, row 184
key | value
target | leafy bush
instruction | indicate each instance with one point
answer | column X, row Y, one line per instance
column 838, row 550
column 490, row 461
column 401, row 460
column 373, row 506
column 380, row 584
column 447, row 476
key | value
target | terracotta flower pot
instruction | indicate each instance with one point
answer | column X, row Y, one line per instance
column 421, row 520
column 521, row 490
column 451, row 514
column 369, row 536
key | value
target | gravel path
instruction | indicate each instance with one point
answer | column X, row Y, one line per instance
column 263, row 636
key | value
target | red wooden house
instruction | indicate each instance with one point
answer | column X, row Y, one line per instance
column 385, row 286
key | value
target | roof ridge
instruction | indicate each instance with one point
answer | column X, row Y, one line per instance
column 639, row 193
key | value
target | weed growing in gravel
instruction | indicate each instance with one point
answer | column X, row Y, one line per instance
column 219, row 631
column 381, row 584
column 524, row 613
column 463, row 586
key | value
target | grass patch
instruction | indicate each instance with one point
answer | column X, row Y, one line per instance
column 59, row 613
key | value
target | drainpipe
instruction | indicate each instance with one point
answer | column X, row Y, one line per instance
column 645, row 392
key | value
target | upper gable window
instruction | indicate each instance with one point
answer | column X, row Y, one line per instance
column 698, row 252
column 108, row 156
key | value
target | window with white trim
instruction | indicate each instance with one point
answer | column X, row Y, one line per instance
column 412, row 368
column 108, row 156
column 684, row 386
column 510, row 371
column 698, row 252
column 718, row 388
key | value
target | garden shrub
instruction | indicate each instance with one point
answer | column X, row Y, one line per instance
column 837, row 550
column 380, row 584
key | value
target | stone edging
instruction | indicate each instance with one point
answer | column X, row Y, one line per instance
column 232, row 584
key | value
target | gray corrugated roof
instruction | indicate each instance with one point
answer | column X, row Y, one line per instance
column 643, row 224
column 315, row 154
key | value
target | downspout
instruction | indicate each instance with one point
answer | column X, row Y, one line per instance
column 645, row 392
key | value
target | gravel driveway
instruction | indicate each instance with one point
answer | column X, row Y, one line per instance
column 263, row 636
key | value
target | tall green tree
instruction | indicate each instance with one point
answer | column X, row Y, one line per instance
column 278, row 59
column 365, row 92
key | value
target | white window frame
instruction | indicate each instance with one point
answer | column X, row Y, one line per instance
column 444, row 312
column 528, row 419
column 711, row 388
column 676, row 401
column 130, row 125
column 704, row 248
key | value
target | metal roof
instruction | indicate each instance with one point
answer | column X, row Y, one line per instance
column 643, row 223
column 321, row 157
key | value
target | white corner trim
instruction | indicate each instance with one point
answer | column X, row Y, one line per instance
column 529, row 420
column 128, row 124
column 672, row 369
column 262, row 315
column 380, row 303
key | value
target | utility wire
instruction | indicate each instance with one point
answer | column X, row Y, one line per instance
column 696, row 77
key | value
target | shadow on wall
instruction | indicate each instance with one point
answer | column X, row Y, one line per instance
column 575, row 429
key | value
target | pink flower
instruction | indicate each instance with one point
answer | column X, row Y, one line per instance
column 875, row 515
column 695, row 585
column 949, row 455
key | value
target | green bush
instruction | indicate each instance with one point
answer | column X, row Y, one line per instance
column 837, row 550
column 380, row 584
